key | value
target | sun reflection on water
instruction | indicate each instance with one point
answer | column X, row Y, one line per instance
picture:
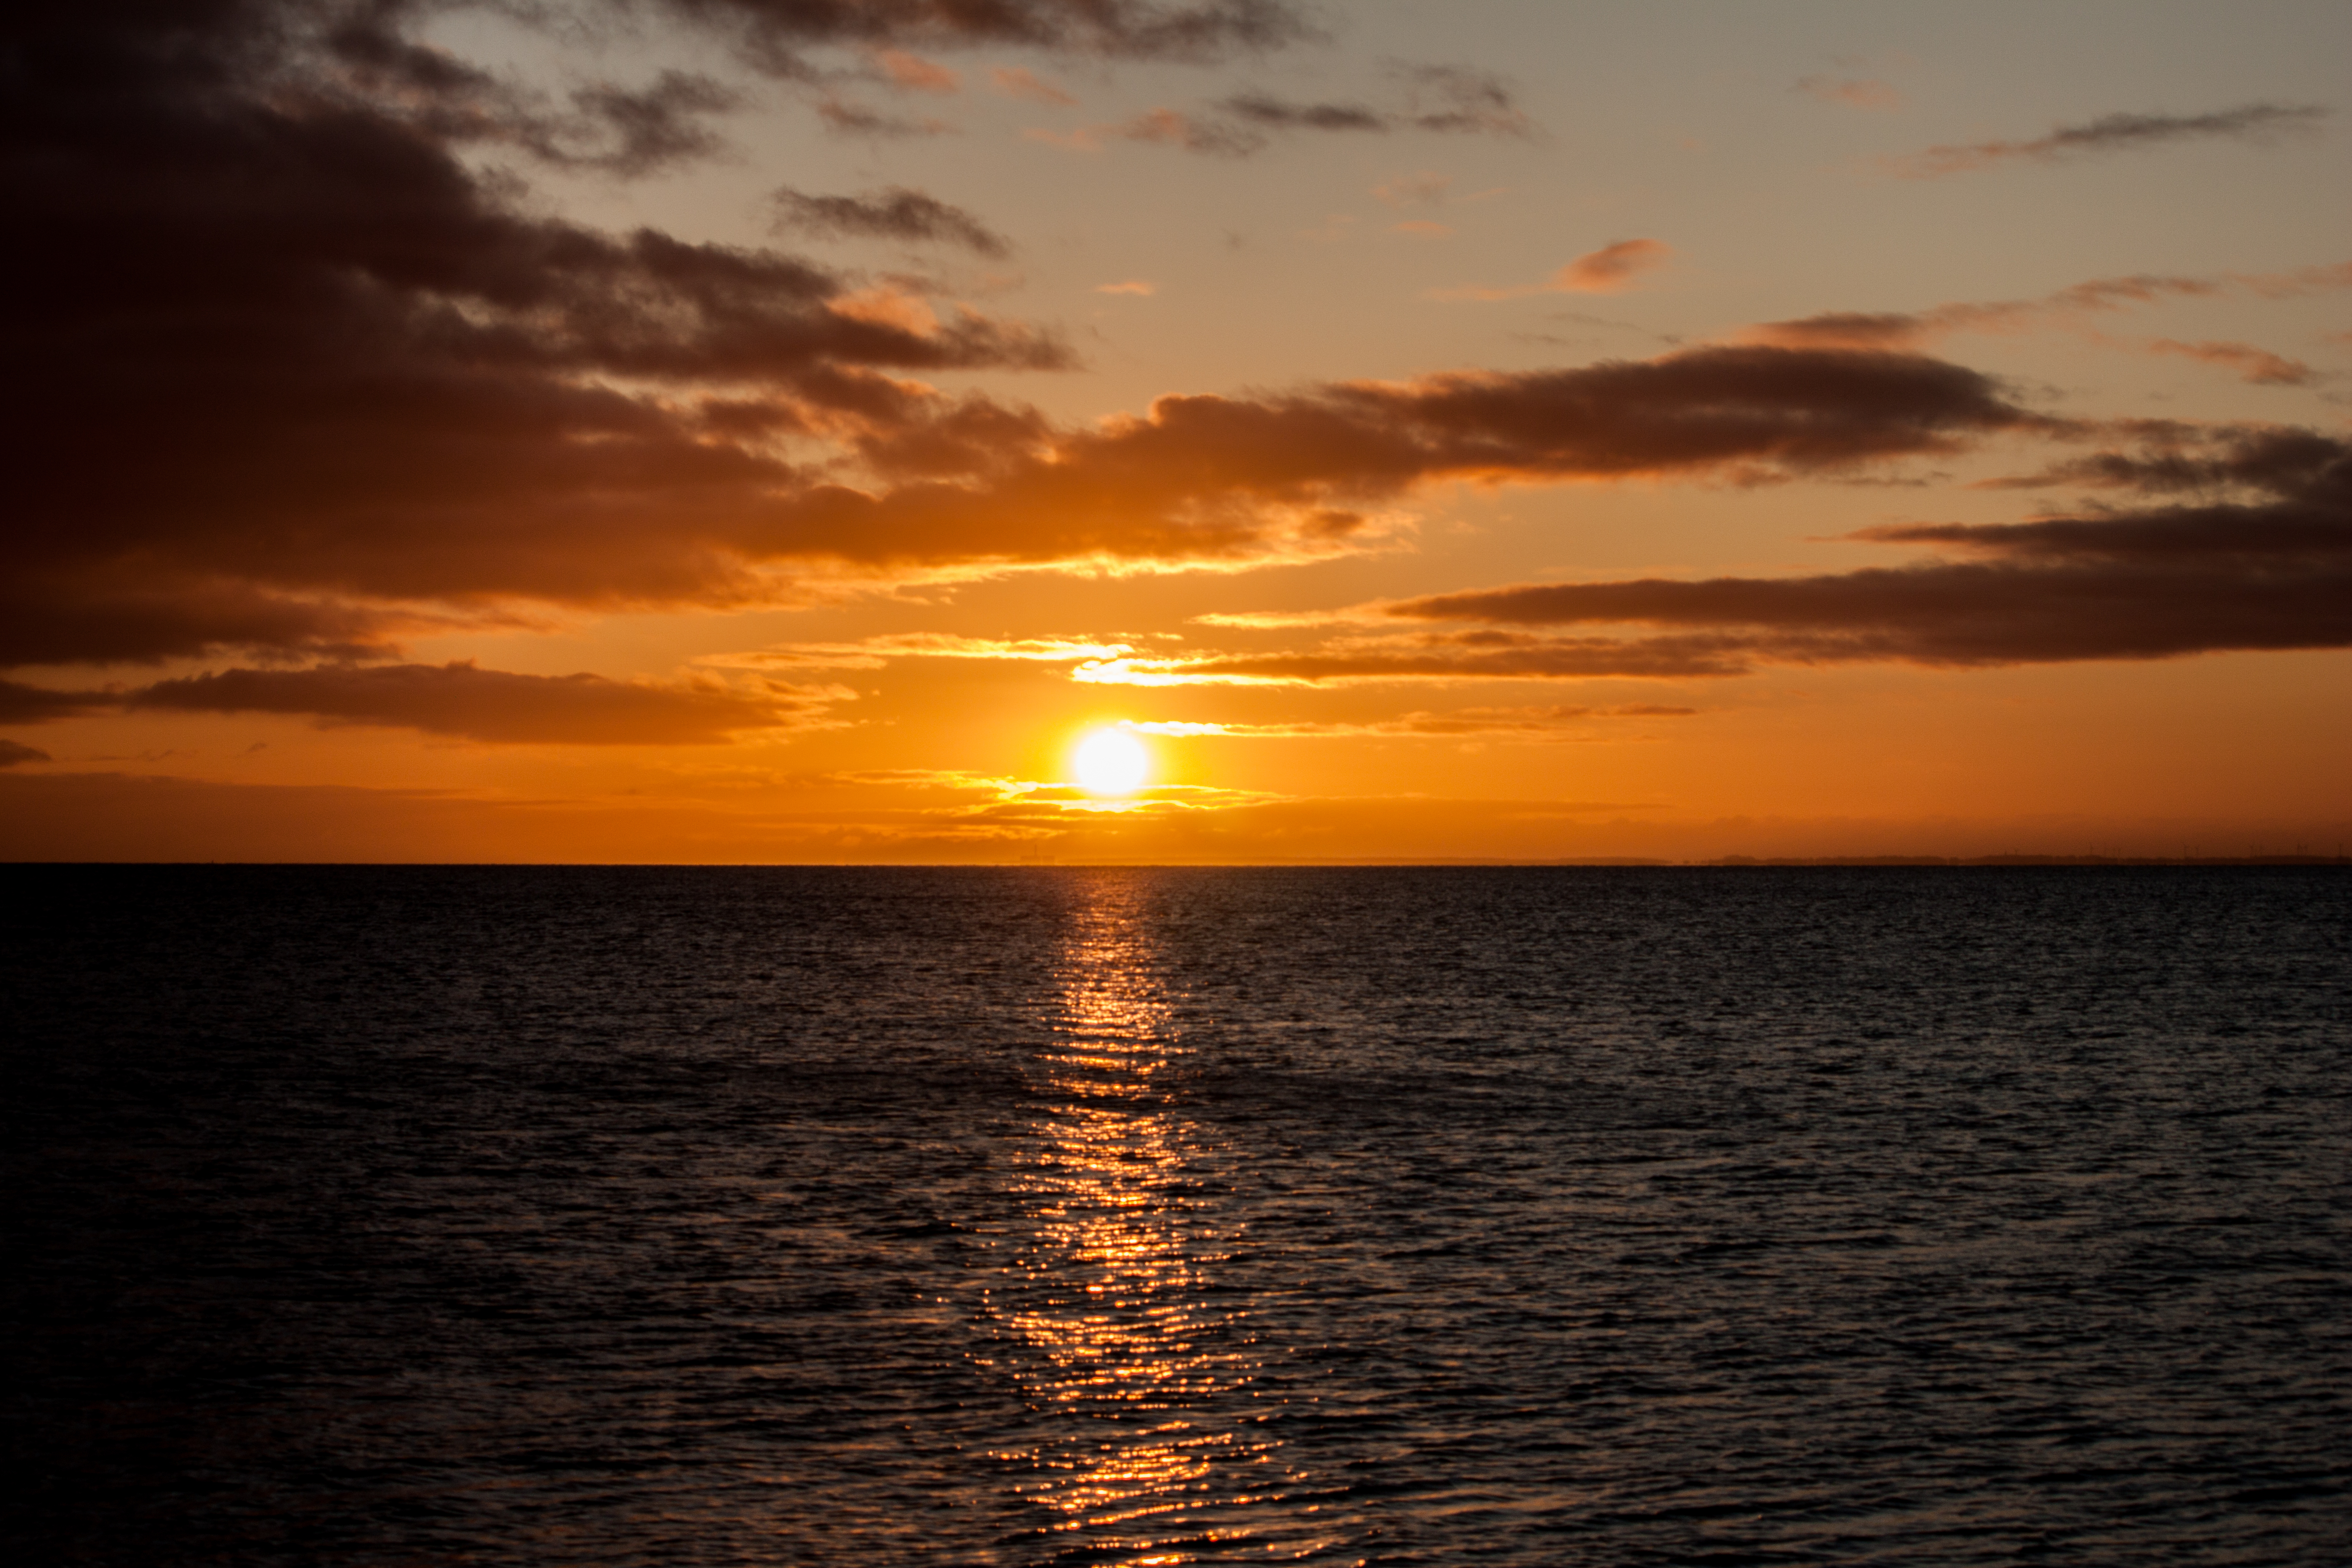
column 1148, row 1445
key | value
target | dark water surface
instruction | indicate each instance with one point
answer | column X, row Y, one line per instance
column 410, row 1216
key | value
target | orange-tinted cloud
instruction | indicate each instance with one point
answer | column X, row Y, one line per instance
column 493, row 705
column 1609, row 270
column 1444, row 99
column 2258, row 366
column 845, row 117
column 914, row 73
column 22, row 704
column 2112, row 133
column 1912, row 329
column 15, row 752
column 774, row 30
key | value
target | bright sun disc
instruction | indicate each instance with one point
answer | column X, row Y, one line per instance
column 1111, row 761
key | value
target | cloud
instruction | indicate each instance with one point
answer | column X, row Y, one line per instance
column 466, row 499
column 308, row 383
column 1444, row 99
column 1437, row 658
column 844, row 117
column 2258, row 123
column 895, row 213
column 914, row 73
column 1166, row 127
column 1850, row 93
column 2270, row 571
column 609, row 128
column 772, row 32
column 1911, row 329
column 1016, row 82
column 491, row 705
column 651, row 128
column 14, row 752
column 2258, row 366
column 874, row 652
column 1136, row 286
column 1611, row 270
column 22, row 704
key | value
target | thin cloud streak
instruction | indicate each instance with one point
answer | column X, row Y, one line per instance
column 2257, row 123
column 1896, row 331
column 1610, row 269
column 893, row 213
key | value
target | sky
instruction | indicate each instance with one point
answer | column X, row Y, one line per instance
column 802, row 430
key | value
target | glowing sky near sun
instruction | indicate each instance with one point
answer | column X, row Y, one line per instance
column 746, row 430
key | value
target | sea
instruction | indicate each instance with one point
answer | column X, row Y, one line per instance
column 1038, row 1215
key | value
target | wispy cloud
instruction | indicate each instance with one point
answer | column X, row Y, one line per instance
column 1911, row 329
column 2258, row 123
column 1611, row 270
column 895, row 213
column 913, row 73
column 1438, row 100
column 2258, row 366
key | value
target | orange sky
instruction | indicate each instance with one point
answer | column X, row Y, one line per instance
column 746, row 430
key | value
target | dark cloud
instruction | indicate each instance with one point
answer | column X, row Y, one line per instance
column 295, row 360
column 2269, row 572
column 1461, row 98
column 615, row 130
column 2113, row 133
column 2259, row 367
column 491, row 705
column 12, row 752
column 22, row 704
column 896, row 213
column 1455, row 99
column 308, row 384
column 652, row 128
column 775, row 30
column 1912, row 329
column 1208, row 479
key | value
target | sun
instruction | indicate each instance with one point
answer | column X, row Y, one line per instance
column 1111, row 761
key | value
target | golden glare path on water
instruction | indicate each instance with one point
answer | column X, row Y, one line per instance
column 1152, row 1445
